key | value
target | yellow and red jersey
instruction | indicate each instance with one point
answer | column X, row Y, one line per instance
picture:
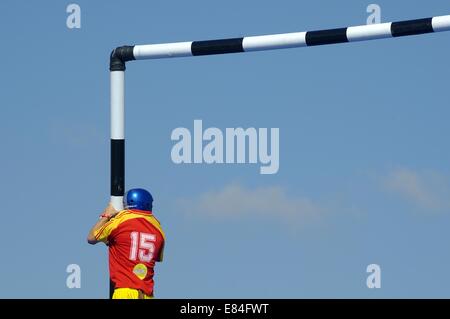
column 136, row 242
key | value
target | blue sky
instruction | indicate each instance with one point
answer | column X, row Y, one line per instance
column 364, row 175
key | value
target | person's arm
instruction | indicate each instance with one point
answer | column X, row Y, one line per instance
column 107, row 214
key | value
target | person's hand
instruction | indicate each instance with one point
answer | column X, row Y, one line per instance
column 110, row 211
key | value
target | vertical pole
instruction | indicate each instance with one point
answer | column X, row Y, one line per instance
column 117, row 143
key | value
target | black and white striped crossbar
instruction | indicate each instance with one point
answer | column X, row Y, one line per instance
column 278, row 41
column 121, row 55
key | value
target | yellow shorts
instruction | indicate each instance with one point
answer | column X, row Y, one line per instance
column 128, row 293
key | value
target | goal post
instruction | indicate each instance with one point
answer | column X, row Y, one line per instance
column 123, row 54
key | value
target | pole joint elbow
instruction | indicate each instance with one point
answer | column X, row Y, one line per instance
column 119, row 56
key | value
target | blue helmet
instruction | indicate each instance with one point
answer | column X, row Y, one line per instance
column 138, row 198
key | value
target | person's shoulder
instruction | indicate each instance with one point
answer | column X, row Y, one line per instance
column 156, row 219
column 120, row 215
column 134, row 213
column 124, row 211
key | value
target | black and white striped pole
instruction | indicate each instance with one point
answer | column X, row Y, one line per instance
column 123, row 54
column 117, row 77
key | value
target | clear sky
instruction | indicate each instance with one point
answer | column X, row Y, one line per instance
column 364, row 173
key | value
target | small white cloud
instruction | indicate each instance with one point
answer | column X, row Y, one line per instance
column 427, row 190
column 234, row 201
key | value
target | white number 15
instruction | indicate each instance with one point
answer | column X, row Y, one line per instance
column 144, row 244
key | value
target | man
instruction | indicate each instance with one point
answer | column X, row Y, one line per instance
column 135, row 241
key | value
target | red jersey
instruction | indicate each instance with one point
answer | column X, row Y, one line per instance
column 136, row 242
